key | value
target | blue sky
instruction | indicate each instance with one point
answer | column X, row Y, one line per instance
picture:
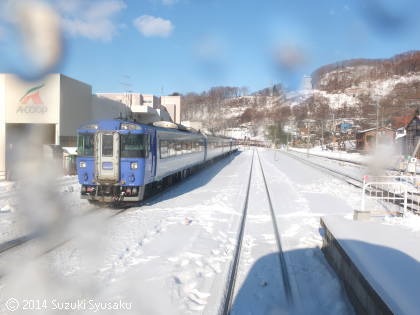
column 191, row 45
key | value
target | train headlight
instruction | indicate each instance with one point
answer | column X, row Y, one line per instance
column 82, row 164
column 134, row 165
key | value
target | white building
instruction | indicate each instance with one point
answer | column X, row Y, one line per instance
column 54, row 107
column 148, row 107
column 306, row 83
column 173, row 106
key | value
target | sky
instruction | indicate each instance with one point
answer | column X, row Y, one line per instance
column 165, row 46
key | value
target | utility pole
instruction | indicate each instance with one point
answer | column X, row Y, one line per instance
column 307, row 139
column 126, row 83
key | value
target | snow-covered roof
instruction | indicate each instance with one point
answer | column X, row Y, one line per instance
column 374, row 128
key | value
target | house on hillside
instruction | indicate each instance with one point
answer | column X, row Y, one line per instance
column 407, row 134
column 344, row 127
column 366, row 139
column 413, row 136
column 400, row 122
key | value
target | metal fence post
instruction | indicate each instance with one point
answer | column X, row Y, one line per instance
column 363, row 193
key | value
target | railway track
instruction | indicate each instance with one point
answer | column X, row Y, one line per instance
column 232, row 277
column 395, row 170
column 414, row 205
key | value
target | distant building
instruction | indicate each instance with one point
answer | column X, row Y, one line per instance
column 413, row 136
column 400, row 122
column 366, row 139
column 173, row 106
column 307, row 83
column 344, row 127
column 149, row 105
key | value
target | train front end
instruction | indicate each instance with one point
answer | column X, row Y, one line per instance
column 112, row 160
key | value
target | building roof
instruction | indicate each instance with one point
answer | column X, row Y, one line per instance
column 380, row 128
column 403, row 121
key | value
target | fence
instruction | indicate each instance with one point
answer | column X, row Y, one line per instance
column 402, row 191
column 69, row 164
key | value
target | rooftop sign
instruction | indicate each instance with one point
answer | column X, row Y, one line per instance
column 31, row 102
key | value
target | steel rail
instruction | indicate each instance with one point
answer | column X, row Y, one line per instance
column 352, row 180
column 229, row 293
column 282, row 259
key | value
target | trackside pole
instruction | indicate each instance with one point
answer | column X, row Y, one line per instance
column 363, row 193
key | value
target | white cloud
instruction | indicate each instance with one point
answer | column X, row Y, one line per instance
column 153, row 26
column 103, row 30
column 90, row 19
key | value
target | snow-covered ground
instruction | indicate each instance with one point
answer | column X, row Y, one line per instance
column 339, row 155
column 18, row 216
column 172, row 255
column 369, row 164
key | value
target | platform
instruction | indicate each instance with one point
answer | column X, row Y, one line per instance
column 379, row 264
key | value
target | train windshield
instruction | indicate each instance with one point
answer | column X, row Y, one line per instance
column 134, row 146
column 85, row 144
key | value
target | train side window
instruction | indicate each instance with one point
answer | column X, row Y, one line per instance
column 171, row 148
column 85, row 144
column 135, row 145
column 178, row 148
column 163, row 149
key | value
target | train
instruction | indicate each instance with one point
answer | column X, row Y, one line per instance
column 120, row 160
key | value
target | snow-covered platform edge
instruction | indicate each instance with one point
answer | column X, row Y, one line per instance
column 362, row 295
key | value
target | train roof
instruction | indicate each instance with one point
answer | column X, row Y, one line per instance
column 115, row 124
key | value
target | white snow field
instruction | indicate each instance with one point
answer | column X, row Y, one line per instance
column 172, row 255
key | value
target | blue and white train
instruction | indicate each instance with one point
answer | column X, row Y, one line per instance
column 118, row 159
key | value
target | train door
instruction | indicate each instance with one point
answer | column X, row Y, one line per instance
column 154, row 152
column 149, row 159
column 107, row 156
column 205, row 143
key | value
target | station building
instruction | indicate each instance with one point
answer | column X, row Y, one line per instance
column 54, row 107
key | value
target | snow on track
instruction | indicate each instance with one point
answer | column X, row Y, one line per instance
column 300, row 196
column 259, row 284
